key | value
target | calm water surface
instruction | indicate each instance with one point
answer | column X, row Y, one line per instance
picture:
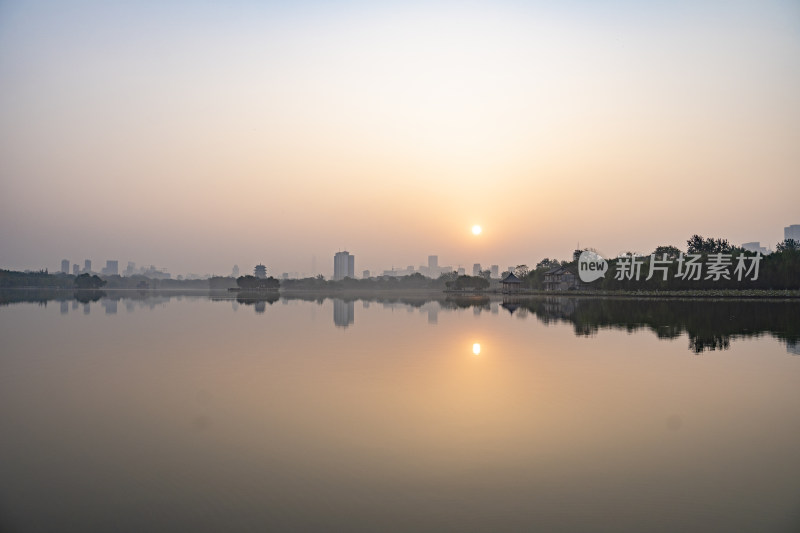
column 145, row 412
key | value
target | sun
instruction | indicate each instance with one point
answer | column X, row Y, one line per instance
column 476, row 230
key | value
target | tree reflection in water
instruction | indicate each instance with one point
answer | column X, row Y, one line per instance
column 710, row 324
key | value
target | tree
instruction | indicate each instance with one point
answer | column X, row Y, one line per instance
column 788, row 245
column 547, row 264
column 468, row 282
column 254, row 283
column 521, row 271
column 577, row 253
column 85, row 281
column 722, row 245
column 697, row 245
column 448, row 276
column 672, row 252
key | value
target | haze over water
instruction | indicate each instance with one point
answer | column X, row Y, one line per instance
column 164, row 413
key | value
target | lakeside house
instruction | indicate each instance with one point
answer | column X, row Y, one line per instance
column 511, row 283
column 560, row 279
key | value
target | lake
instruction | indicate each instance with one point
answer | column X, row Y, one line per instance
column 206, row 412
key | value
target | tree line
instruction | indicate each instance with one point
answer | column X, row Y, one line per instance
column 779, row 270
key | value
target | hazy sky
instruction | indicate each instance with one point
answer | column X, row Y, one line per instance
column 195, row 136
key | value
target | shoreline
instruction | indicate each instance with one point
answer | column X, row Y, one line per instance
column 696, row 293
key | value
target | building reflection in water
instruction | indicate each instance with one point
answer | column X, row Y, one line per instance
column 433, row 314
column 343, row 312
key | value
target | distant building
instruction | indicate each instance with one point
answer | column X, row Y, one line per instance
column 87, row 266
column 396, row 273
column 560, row 279
column 111, row 268
column 495, row 271
column 154, row 273
column 260, row 271
column 461, row 271
column 792, row 232
column 285, row 275
column 476, row 269
column 755, row 247
column 65, row 266
column 76, row 269
column 365, row 274
column 130, row 270
column 433, row 266
column 344, row 265
column 235, row 271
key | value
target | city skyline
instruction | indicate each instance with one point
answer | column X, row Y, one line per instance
column 196, row 137
column 347, row 264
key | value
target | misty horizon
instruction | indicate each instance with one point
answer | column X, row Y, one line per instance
column 198, row 138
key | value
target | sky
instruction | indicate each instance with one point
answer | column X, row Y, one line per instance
column 194, row 136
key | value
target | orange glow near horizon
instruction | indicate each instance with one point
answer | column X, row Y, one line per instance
column 307, row 130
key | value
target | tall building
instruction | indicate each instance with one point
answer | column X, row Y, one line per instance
column 476, row 269
column 111, row 268
column 755, row 247
column 130, row 270
column 365, row 274
column 495, row 271
column 344, row 265
column 76, row 269
column 87, row 266
column 65, row 266
column 433, row 264
column 235, row 271
column 260, row 271
column 792, row 232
